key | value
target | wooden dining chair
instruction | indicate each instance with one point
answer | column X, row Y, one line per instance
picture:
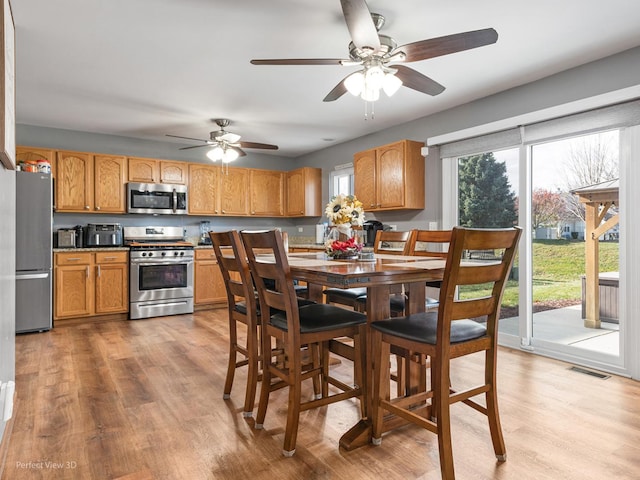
column 294, row 326
column 242, row 306
column 452, row 332
column 390, row 242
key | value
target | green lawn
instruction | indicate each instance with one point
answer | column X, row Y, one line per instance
column 557, row 269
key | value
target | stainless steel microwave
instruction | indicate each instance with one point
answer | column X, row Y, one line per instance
column 157, row 198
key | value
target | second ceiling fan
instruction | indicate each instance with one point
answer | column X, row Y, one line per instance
column 375, row 53
column 225, row 146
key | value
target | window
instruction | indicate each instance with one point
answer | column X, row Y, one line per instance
column 341, row 182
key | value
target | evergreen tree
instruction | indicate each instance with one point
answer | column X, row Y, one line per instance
column 486, row 198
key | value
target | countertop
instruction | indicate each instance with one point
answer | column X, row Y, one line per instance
column 92, row 249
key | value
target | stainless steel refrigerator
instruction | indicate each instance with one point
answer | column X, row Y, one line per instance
column 34, row 237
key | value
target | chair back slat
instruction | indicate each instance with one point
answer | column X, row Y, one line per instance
column 427, row 239
column 404, row 238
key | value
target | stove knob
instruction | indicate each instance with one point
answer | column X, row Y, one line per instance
column 175, row 254
column 182, row 254
column 151, row 254
column 144, row 254
column 163, row 253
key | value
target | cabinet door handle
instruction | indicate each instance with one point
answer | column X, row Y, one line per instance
column 87, row 271
column 97, row 208
column 99, row 271
column 223, row 211
column 86, row 207
column 73, row 259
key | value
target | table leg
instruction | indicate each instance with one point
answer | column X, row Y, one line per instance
column 377, row 309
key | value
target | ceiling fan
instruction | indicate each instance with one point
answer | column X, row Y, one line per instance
column 225, row 146
column 375, row 53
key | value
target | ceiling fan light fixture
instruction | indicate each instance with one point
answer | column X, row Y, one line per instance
column 230, row 155
column 391, row 84
column 216, row 153
column 354, row 83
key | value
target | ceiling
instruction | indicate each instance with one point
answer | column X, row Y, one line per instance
column 147, row 68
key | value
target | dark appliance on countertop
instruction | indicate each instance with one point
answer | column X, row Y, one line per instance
column 156, row 198
column 34, row 227
column 371, row 228
column 161, row 272
column 103, row 235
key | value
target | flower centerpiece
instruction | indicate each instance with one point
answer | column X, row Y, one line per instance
column 345, row 212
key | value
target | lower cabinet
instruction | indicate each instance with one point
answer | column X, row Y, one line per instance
column 208, row 282
column 90, row 283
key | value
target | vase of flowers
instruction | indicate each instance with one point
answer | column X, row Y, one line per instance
column 345, row 212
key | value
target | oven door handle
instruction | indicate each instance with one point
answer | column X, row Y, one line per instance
column 175, row 200
column 151, row 264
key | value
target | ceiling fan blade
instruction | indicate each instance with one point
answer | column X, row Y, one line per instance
column 196, row 146
column 264, row 146
column 228, row 137
column 360, row 24
column 337, row 92
column 299, row 61
column 417, row 81
column 241, row 152
column 186, row 138
column 436, row 47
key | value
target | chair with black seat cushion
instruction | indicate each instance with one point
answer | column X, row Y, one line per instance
column 390, row 242
column 454, row 331
column 243, row 308
column 293, row 327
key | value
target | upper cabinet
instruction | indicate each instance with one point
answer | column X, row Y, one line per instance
column 143, row 170
column 90, row 183
column 204, row 185
column 109, row 178
column 304, row 192
column 174, row 172
column 151, row 170
column 390, row 177
column 33, row 154
column 267, row 193
column 234, row 194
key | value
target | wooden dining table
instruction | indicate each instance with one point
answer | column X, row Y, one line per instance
column 381, row 276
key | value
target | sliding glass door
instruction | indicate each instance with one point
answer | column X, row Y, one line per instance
column 537, row 186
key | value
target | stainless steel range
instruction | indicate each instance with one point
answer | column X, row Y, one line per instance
column 161, row 272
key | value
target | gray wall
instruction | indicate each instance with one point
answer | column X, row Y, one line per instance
column 7, row 279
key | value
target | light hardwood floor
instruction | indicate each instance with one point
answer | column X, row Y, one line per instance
column 142, row 400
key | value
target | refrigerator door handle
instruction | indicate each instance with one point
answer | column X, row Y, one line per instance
column 32, row 276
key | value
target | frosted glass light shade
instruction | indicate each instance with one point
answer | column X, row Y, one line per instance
column 216, row 153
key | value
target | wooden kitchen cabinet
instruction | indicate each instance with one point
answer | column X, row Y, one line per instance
column 109, row 179
column 390, row 177
column 267, row 193
column 209, row 285
column 88, row 284
column 143, row 170
column 90, row 183
column 111, row 282
column 73, row 285
column 304, row 192
column 151, row 170
column 74, row 182
column 174, row 172
column 26, row 154
column 234, row 191
column 204, row 185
